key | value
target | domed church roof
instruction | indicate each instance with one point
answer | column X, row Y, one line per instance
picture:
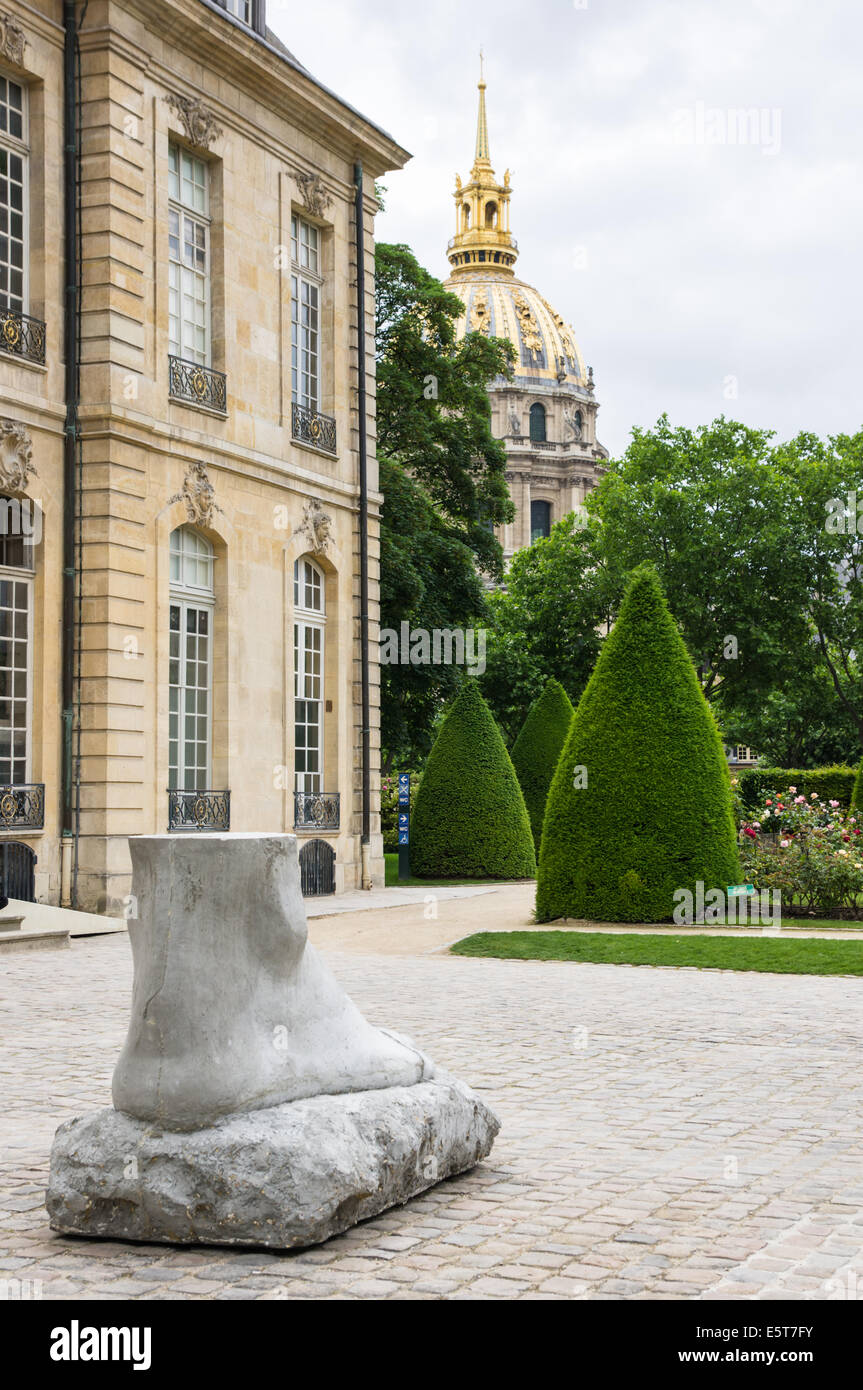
column 508, row 308
column 482, row 255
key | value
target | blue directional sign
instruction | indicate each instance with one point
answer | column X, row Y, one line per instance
column 404, row 829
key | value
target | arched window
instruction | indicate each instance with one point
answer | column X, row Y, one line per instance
column 18, row 522
column 465, row 216
column 540, row 520
column 578, row 424
column 537, row 422
column 309, row 625
column 491, row 214
column 190, row 661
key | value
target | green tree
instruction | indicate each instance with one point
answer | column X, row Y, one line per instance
column 442, row 475
column 470, row 820
column 536, row 751
column 548, row 621
column 640, row 804
column 711, row 510
column 799, row 723
column 826, row 525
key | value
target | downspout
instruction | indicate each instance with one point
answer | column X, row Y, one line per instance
column 68, row 894
column 365, row 847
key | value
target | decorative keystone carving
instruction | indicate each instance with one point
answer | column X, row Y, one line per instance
column 199, row 124
column 316, row 526
column 12, row 40
column 313, row 192
column 198, row 494
column 16, row 450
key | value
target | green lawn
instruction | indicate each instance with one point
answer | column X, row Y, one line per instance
column 392, row 880
column 784, row 956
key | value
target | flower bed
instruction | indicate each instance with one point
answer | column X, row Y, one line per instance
column 808, row 848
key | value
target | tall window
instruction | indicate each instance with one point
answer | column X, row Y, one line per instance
column 540, row 520
column 190, row 675
column 305, row 314
column 309, row 619
column 242, row 9
column 537, row 422
column 189, row 257
column 13, row 196
column 16, row 608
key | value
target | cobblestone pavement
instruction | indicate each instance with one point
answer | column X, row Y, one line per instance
column 666, row 1134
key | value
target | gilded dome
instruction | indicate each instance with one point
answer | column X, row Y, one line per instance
column 498, row 304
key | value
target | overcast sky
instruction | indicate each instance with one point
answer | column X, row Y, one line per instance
column 703, row 273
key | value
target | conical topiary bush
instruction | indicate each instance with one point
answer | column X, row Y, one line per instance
column 640, row 804
column 537, row 749
column 857, row 793
column 470, row 820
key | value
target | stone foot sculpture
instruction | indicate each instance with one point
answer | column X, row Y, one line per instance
column 253, row 1102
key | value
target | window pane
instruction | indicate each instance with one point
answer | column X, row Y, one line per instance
column 14, row 666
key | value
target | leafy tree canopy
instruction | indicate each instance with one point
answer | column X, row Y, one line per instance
column 442, row 475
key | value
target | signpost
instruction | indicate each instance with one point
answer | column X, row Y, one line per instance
column 404, row 824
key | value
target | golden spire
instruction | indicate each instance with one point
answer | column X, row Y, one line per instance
column 482, row 154
column 482, row 238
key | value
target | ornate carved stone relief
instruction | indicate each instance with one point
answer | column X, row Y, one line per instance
column 528, row 325
column 199, row 124
column 16, row 450
column 198, row 494
column 316, row 527
column 480, row 312
column 12, row 40
column 313, row 192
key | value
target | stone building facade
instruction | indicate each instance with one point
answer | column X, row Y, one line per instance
column 546, row 416
column 217, row 657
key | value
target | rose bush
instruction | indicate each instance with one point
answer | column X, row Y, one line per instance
column 808, row 848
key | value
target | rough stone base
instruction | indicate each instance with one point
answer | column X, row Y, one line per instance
column 288, row 1176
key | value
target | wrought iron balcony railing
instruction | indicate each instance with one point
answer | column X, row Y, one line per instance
column 22, row 807
column 22, row 335
column 316, row 810
column 189, row 381
column 310, row 427
column 199, row 810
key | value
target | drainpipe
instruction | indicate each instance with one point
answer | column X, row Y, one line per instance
column 70, row 435
column 364, row 525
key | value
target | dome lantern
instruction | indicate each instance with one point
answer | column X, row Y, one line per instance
column 482, row 236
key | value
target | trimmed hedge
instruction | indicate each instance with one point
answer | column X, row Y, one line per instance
column 537, row 749
column 655, row 814
column 470, row 820
column 857, row 793
column 829, row 783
